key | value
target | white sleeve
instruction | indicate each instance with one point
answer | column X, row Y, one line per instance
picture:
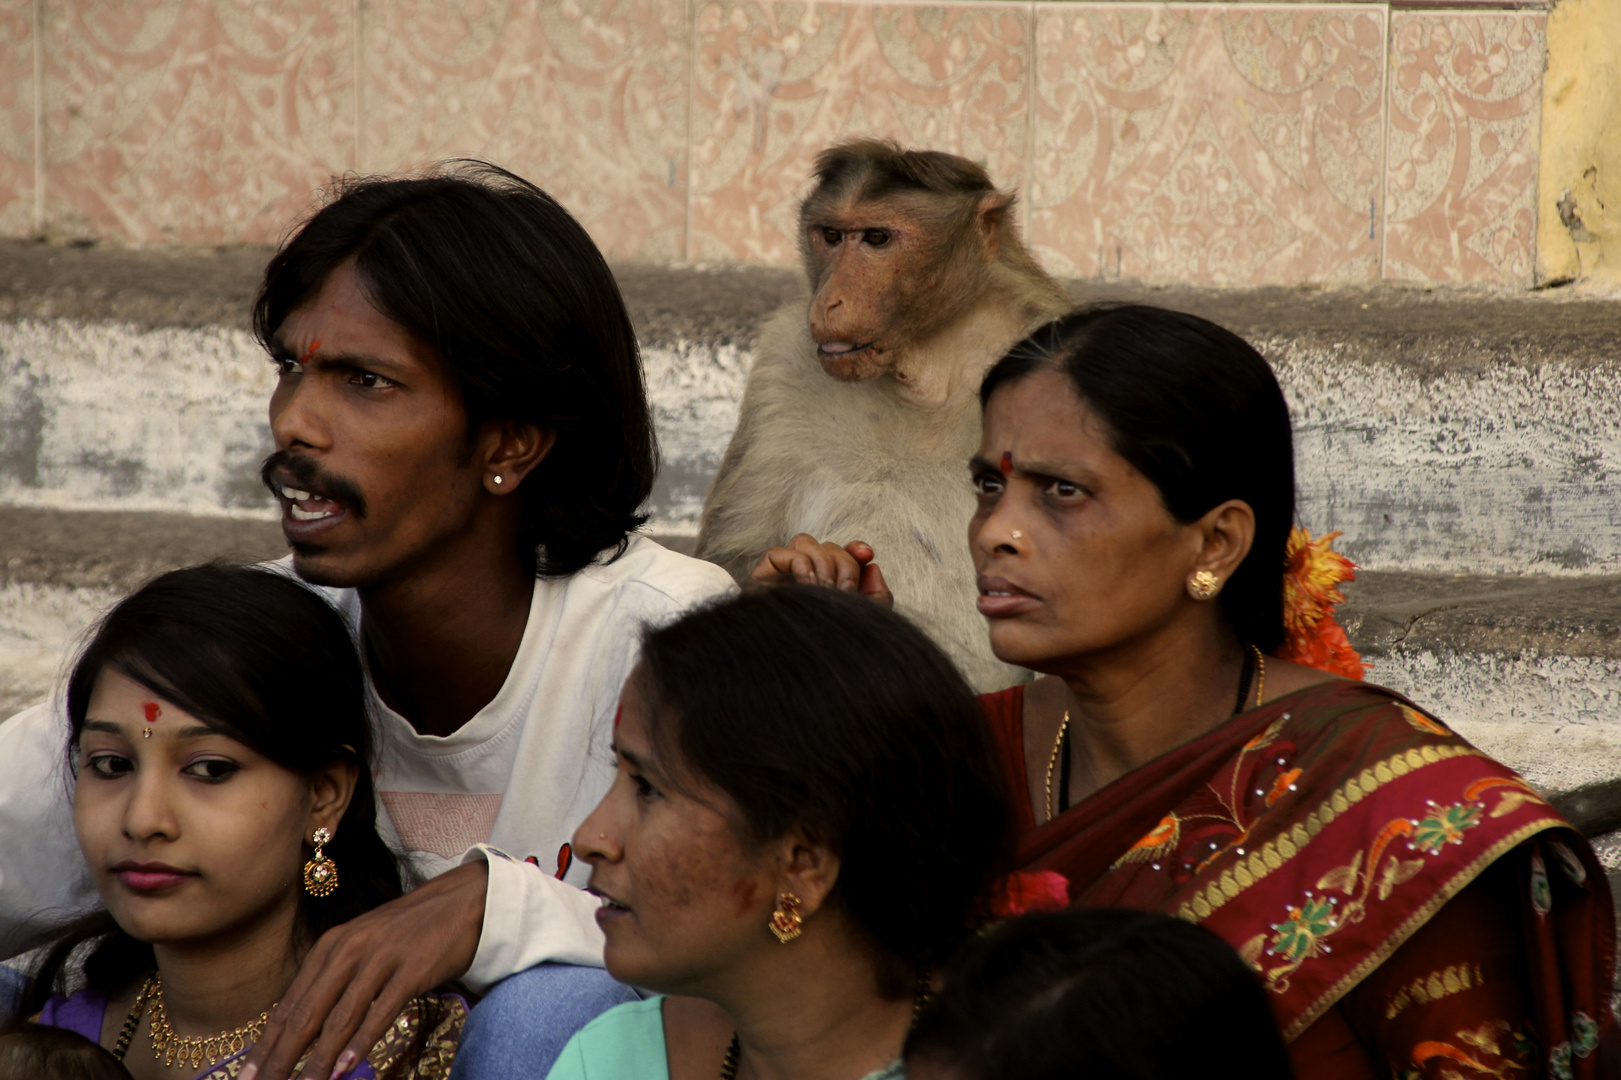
column 540, row 919
column 43, row 879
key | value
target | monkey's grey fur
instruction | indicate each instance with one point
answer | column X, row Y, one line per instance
column 847, row 461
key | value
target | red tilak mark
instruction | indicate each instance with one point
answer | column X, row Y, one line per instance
column 309, row 353
column 618, row 713
column 152, row 711
column 1007, row 463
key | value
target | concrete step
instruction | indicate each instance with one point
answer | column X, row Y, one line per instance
column 1441, row 431
column 1527, row 667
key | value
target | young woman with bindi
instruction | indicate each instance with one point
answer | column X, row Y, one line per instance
column 1413, row 907
column 806, row 815
column 220, row 759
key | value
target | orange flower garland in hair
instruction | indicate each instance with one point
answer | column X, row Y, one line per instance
column 1312, row 574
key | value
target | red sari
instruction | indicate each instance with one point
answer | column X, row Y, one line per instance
column 1319, row 834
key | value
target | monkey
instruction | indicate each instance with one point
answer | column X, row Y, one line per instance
column 861, row 410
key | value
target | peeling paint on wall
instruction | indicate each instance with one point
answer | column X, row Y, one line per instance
column 1579, row 183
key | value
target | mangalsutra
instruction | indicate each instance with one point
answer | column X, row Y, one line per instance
column 920, row 998
column 177, row 1049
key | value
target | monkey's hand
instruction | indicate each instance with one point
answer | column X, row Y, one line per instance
column 809, row 561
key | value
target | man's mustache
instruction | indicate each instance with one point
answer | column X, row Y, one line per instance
column 312, row 478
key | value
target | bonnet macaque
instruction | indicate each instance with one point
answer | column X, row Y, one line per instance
column 861, row 412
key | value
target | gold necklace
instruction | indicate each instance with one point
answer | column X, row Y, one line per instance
column 1260, row 676
column 175, row 1048
column 1052, row 760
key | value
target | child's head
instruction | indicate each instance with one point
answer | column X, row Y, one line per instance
column 218, row 720
column 1103, row 993
column 37, row 1052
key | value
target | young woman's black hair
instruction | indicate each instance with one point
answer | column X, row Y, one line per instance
column 36, row 1052
column 1195, row 409
column 820, row 710
column 495, row 275
column 268, row 662
column 1101, row 993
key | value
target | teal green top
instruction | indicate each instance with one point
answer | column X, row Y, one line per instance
column 624, row 1043
column 627, row 1043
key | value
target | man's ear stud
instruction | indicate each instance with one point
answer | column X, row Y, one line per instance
column 497, row 479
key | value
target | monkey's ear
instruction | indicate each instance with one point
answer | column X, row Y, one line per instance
column 991, row 217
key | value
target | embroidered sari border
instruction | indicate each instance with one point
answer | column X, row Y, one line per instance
column 1273, row 854
column 1398, row 937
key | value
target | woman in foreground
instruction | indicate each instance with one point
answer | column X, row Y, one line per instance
column 1413, row 908
column 807, row 813
column 223, row 803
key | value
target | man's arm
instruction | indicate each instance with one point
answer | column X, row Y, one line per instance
column 42, row 877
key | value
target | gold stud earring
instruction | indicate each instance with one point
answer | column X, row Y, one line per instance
column 786, row 922
column 320, row 873
column 1203, row 585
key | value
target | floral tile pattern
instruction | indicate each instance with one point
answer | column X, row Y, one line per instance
column 1208, row 143
column 1465, row 105
column 587, row 98
column 1243, row 143
column 17, row 120
column 190, row 121
column 776, row 82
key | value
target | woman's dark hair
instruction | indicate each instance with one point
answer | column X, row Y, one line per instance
column 1103, row 993
column 1195, row 409
column 495, row 275
column 39, row 1052
column 822, row 711
column 268, row 662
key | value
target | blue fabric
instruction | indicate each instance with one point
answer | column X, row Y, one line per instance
column 522, row 1025
column 12, row 985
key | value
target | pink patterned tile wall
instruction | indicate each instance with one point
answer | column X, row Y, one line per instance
column 774, row 83
column 1208, row 143
column 1465, row 105
column 17, row 32
column 1199, row 142
column 190, row 121
column 587, row 98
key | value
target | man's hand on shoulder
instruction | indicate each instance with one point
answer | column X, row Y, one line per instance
column 360, row 975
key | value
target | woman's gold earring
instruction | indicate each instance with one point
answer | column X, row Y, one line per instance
column 786, row 922
column 320, row 873
column 1203, row 585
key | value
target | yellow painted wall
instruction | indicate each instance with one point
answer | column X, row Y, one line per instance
column 1579, row 187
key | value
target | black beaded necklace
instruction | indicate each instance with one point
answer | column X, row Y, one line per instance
column 920, row 998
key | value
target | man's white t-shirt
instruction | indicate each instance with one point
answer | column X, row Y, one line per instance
column 509, row 787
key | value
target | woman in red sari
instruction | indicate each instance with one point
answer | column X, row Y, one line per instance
column 1413, row 908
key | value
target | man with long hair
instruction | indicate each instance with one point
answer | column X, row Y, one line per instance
column 462, row 446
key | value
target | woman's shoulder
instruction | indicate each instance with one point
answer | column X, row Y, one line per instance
column 83, row 1013
column 624, row 1043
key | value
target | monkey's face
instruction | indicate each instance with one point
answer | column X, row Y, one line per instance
column 880, row 281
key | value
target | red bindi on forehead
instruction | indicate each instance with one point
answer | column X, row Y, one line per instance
column 152, row 711
column 309, row 353
column 1007, row 463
